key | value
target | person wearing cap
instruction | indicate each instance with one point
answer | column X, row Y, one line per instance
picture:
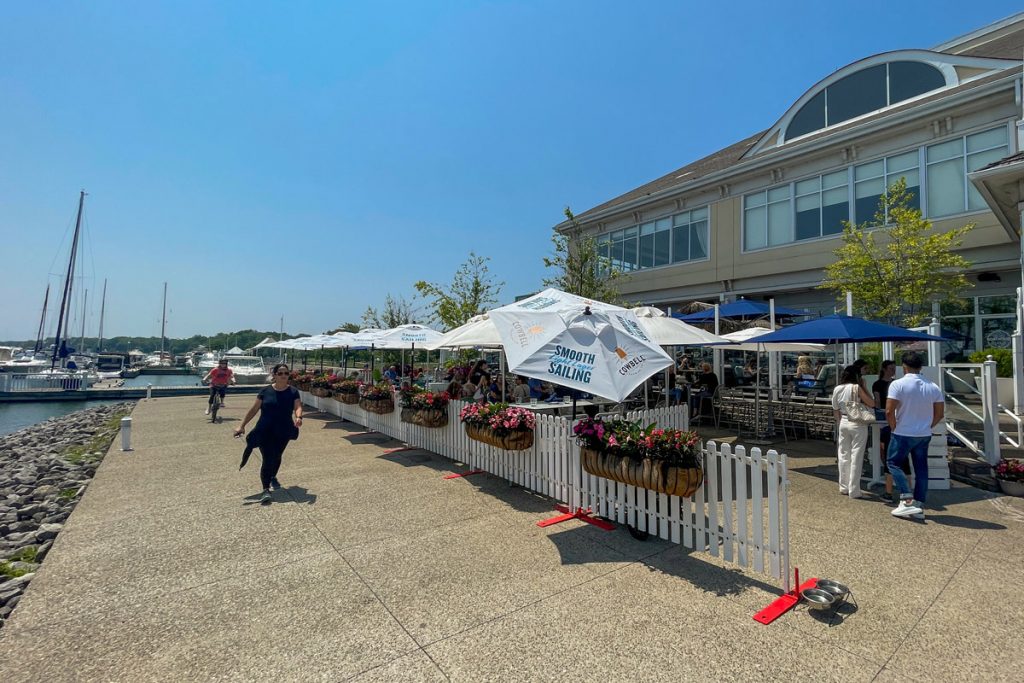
column 219, row 377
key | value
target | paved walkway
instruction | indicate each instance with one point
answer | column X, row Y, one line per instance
column 371, row 567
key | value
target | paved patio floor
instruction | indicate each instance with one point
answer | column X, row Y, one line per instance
column 370, row 566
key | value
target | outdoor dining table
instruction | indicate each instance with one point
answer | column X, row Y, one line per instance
column 875, row 452
column 557, row 407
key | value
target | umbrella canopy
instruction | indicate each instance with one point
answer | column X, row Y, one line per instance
column 844, row 329
column 666, row 331
column 742, row 308
column 406, row 337
column 750, row 340
column 575, row 342
column 269, row 341
column 478, row 331
column 366, row 337
column 235, row 351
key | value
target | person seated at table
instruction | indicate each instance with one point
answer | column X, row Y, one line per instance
column 454, row 387
column 750, row 372
column 539, row 390
column 468, row 390
column 685, row 368
column 675, row 392
column 479, row 368
column 521, row 390
column 804, row 369
column 391, row 374
column 494, row 390
column 704, row 387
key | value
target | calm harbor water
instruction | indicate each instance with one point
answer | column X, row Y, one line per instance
column 15, row 416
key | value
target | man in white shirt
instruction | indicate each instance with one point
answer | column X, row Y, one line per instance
column 914, row 406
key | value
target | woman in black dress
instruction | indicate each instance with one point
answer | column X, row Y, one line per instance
column 280, row 409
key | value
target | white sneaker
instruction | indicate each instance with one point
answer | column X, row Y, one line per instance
column 207, row 411
column 906, row 508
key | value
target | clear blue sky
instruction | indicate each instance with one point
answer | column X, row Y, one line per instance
column 307, row 158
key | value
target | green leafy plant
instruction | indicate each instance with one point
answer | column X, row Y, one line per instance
column 633, row 440
column 895, row 264
column 377, row 392
column 1002, row 357
column 420, row 399
column 579, row 266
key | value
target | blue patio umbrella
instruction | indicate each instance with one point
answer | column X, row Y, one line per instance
column 843, row 329
column 743, row 308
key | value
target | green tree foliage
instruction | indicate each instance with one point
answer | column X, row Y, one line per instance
column 346, row 327
column 896, row 271
column 395, row 312
column 579, row 267
column 471, row 292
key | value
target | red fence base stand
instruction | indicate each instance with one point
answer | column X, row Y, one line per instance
column 580, row 514
column 785, row 602
column 456, row 475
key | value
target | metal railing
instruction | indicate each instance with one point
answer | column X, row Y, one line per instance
column 12, row 382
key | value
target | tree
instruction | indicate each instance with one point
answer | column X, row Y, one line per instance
column 470, row 293
column 396, row 311
column 580, row 267
column 896, row 271
column 345, row 327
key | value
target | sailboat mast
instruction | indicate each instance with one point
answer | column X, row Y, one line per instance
column 163, row 324
column 85, row 302
column 42, row 321
column 103, row 308
column 67, row 282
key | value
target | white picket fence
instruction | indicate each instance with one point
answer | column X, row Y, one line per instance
column 740, row 513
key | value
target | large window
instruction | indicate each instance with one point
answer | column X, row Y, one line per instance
column 767, row 218
column 872, row 179
column 867, row 90
column 673, row 239
column 816, row 207
column 948, row 163
column 822, row 204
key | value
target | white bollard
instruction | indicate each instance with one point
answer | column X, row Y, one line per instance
column 126, row 433
column 149, row 391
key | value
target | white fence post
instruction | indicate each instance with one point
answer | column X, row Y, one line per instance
column 990, row 412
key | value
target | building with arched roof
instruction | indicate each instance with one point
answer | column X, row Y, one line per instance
column 762, row 217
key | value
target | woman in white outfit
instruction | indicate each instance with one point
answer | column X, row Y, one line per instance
column 853, row 437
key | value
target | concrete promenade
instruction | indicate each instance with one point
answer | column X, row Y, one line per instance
column 371, row 567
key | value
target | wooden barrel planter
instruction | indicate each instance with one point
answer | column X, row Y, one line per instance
column 425, row 418
column 646, row 473
column 350, row 398
column 513, row 441
column 377, row 405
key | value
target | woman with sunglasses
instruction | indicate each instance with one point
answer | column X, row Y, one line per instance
column 280, row 409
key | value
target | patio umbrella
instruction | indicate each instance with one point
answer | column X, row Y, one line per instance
column 478, row 331
column 366, row 338
column 578, row 343
column 742, row 308
column 844, row 329
column 406, row 337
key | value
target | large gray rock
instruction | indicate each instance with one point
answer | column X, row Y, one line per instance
column 48, row 531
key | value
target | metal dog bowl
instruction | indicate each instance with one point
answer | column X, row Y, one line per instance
column 838, row 590
column 818, row 599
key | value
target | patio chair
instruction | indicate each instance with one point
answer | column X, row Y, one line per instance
column 710, row 401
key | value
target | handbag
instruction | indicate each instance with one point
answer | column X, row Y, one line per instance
column 857, row 412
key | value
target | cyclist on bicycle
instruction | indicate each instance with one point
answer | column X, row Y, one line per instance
column 219, row 378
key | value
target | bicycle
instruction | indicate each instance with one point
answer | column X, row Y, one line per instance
column 215, row 405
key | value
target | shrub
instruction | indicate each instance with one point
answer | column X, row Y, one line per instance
column 1002, row 357
column 636, row 442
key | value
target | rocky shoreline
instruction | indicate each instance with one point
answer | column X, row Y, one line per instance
column 43, row 471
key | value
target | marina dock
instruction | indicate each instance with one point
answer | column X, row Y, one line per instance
column 118, row 393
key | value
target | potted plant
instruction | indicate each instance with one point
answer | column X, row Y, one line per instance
column 500, row 425
column 424, row 408
column 664, row 460
column 377, row 398
column 321, row 384
column 301, row 380
column 346, row 390
column 1010, row 475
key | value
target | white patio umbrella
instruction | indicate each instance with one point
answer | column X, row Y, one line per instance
column 366, row 338
column 269, row 341
column 579, row 343
column 407, row 337
column 479, row 331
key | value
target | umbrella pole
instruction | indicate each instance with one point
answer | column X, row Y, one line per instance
column 321, row 359
column 501, row 369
